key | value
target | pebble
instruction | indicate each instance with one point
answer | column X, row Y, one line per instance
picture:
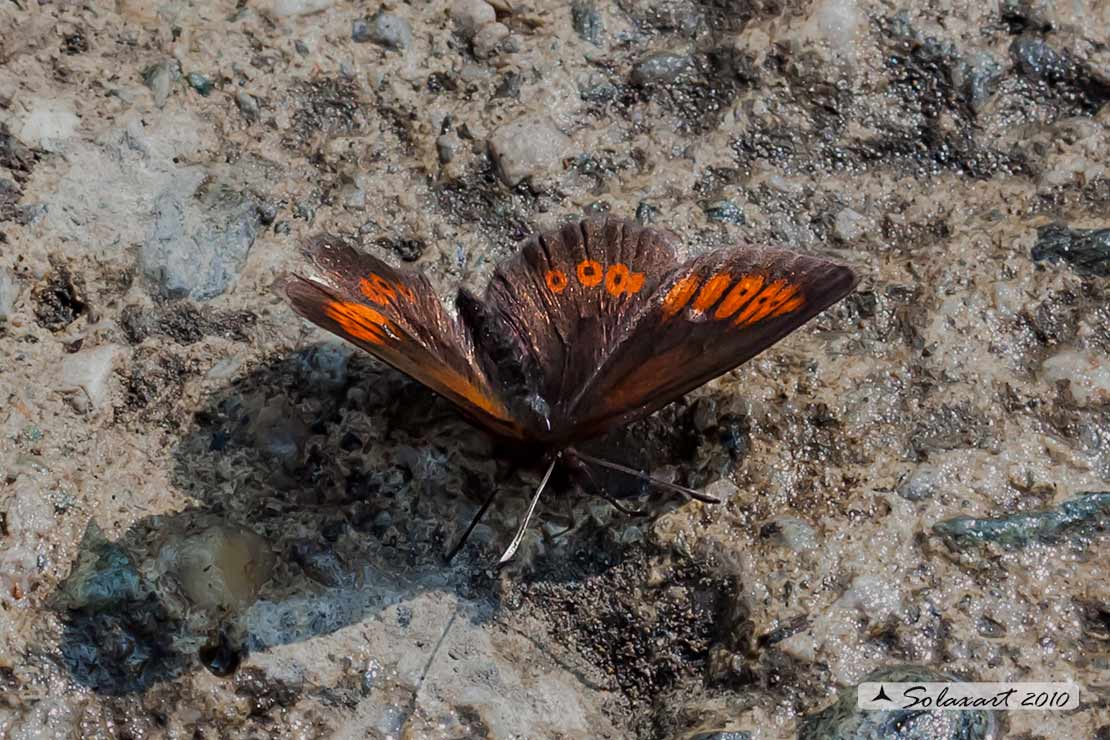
column 87, row 374
column 289, row 8
column 9, row 294
column 839, row 22
column 1073, row 518
column 248, row 106
column 586, row 21
column 977, row 78
column 278, row 431
column 219, row 568
column 921, row 484
column 791, row 533
column 385, row 29
column 47, row 124
column 160, row 78
column 725, row 211
column 1086, row 250
column 646, row 213
column 1088, row 375
column 659, row 68
column 844, row 721
column 488, row 39
column 470, row 15
column 360, row 31
column 531, row 147
column 849, row 225
column 1036, row 59
column 448, row 145
column 103, row 575
column 198, row 244
column 200, row 83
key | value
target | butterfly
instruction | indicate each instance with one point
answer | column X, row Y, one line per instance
column 587, row 328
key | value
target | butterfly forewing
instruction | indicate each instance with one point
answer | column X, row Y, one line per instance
column 707, row 317
column 398, row 318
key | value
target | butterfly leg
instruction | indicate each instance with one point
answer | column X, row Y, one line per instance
column 473, row 523
column 572, row 522
column 685, row 491
column 585, row 480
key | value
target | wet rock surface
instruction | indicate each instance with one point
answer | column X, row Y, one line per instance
column 217, row 521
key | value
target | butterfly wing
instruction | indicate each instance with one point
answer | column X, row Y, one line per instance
column 615, row 328
column 707, row 317
column 568, row 297
column 398, row 318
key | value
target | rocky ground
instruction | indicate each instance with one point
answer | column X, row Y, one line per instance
column 217, row 521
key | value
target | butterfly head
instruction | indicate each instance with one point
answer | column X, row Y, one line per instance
column 535, row 411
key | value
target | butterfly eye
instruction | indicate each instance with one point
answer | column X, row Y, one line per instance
column 589, row 273
column 556, row 281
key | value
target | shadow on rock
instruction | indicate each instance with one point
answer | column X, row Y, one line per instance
column 327, row 489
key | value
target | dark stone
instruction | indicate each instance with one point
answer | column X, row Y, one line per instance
column 74, row 43
column 360, row 31
column 384, row 29
column 586, row 20
column 1063, row 74
column 61, row 300
column 200, row 83
column 509, row 86
column 220, row 657
column 409, row 250
column 14, row 155
column 1072, row 519
column 1087, row 250
column 725, row 211
column 646, row 212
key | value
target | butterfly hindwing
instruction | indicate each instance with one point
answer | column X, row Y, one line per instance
column 398, row 318
column 570, row 294
column 706, row 318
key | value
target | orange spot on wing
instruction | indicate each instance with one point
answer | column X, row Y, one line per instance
column 359, row 321
column 679, row 295
column 589, row 273
column 789, row 306
column 619, row 280
column 768, row 300
column 556, row 281
column 744, row 289
column 377, row 289
column 406, row 292
column 712, row 290
column 635, row 282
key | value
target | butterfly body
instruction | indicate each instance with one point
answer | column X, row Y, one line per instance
column 587, row 328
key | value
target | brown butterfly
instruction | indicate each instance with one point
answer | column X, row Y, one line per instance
column 587, row 328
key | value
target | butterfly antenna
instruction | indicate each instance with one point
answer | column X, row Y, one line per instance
column 508, row 554
column 473, row 523
column 697, row 495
